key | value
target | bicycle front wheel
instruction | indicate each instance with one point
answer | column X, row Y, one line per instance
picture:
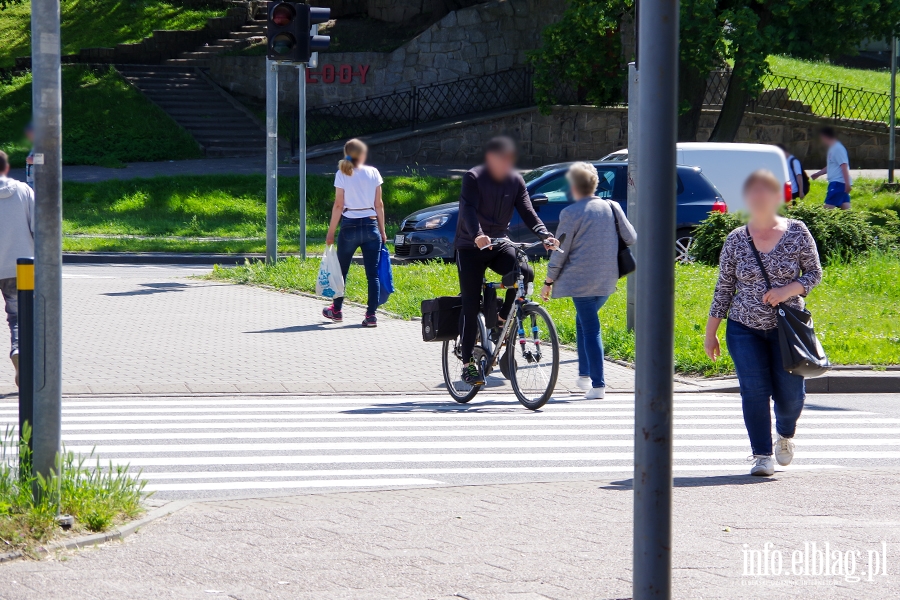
column 533, row 358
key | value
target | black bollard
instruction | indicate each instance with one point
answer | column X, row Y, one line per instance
column 25, row 286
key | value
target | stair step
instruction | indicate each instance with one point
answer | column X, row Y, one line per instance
column 174, row 77
column 259, row 142
column 192, row 62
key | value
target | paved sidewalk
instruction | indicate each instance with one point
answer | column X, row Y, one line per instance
column 151, row 329
column 562, row 540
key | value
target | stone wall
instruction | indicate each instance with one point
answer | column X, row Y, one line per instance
column 799, row 134
column 395, row 11
column 485, row 38
column 588, row 133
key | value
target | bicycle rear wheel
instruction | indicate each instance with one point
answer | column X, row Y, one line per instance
column 533, row 360
column 451, row 364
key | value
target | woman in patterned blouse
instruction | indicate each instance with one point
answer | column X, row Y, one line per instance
column 789, row 255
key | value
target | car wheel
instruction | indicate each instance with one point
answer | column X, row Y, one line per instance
column 684, row 240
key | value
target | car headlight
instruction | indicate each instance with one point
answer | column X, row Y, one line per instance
column 432, row 222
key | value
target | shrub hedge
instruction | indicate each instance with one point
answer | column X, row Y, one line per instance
column 839, row 234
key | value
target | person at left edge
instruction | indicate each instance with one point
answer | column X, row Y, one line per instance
column 16, row 241
column 490, row 193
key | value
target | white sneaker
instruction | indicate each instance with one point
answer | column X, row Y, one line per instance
column 595, row 393
column 763, row 465
column 583, row 382
column 784, row 450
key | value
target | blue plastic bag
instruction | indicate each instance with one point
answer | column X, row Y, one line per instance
column 385, row 276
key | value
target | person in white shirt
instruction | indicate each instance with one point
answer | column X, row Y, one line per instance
column 359, row 209
column 838, row 170
column 16, row 241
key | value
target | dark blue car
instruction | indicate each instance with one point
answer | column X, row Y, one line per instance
column 429, row 233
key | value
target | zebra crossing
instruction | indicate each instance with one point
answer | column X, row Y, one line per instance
column 189, row 447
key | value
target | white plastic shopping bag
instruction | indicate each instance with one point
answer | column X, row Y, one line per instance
column 330, row 282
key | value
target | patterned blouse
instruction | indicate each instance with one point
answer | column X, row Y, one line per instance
column 741, row 285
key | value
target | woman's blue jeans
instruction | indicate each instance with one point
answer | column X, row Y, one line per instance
column 757, row 360
column 587, row 335
column 354, row 234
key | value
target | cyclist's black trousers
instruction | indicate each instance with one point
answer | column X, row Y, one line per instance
column 471, row 264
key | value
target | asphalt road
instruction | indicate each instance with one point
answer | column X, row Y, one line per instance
column 238, row 446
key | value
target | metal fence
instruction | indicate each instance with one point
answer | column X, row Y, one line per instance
column 417, row 106
column 853, row 106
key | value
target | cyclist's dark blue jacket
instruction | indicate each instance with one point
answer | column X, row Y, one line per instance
column 486, row 207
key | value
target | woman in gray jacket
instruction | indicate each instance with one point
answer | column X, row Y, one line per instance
column 587, row 270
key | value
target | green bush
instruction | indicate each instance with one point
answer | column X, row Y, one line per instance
column 709, row 236
column 839, row 234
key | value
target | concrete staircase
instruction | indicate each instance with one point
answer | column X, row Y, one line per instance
column 219, row 123
column 235, row 40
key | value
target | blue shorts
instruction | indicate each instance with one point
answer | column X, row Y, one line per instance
column 836, row 196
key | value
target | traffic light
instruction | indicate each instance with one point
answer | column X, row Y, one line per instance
column 289, row 31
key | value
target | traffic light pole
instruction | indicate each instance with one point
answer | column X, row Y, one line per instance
column 271, row 161
column 47, row 109
column 655, row 305
column 301, row 155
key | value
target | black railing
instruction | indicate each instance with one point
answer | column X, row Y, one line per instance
column 857, row 107
column 417, row 106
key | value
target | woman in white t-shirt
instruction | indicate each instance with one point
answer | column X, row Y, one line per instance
column 360, row 211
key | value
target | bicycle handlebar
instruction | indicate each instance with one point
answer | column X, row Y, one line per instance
column 522, row 245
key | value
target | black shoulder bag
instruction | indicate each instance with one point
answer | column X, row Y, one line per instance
column 801, row 352
column 624, row 258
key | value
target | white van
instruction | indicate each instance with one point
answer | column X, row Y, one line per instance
column 728, row 165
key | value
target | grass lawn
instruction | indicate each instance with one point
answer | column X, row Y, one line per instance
column 105, row 122
column 873, row 81
column 97, row 498
column 856, row 307
column 215, row 206
column 865, row 195
column 98, row 23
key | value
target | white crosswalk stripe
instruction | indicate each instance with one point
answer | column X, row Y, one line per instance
column 188, row 447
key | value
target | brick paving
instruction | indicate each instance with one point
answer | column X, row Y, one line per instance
column 560, row 540
column 154, row 330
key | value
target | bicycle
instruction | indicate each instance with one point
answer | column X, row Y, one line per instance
column 532, row 365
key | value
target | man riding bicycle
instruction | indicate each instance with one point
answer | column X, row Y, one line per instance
column 489, row 194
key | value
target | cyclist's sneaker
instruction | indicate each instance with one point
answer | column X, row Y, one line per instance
column 583, row 382
column 335, row 315
column 471, row 374
column 370, row 321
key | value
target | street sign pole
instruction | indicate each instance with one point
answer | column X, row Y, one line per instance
column 47, row 116
column 655, row 305
column 301, row 154
column 892, row 145
column 271, row 161
column 631, row 203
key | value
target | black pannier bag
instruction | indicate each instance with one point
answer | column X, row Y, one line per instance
column 440, row 318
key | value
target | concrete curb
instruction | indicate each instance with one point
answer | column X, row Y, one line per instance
column 101, row 538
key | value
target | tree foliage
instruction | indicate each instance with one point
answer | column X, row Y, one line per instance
column 714, row 33
column 583, row 50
